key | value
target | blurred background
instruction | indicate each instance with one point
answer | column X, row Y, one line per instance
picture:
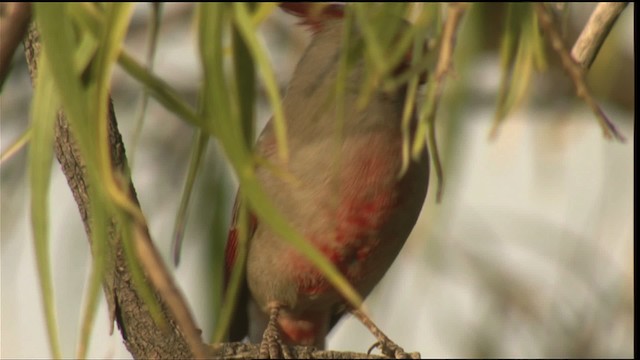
column 530, row 253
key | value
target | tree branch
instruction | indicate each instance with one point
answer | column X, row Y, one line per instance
column 575, row 71
column 595, row 32
column 240, row 350
column 142, row 336
column 444, row 67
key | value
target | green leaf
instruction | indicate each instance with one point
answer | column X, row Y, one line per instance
column 237, row 272
column 117, row 17
column 81, row 65
column 152, row 45
column 99, row 226
column 142, row 288
column 246, row 85
column 522, row 51
column 220, row 218
column 215, row 101
column 408, row 110
column 161, row 91
column 43, row 112
column 197, row 152
column 57, row 38
column 244, row 25
column 91, row 21
column 106, row 190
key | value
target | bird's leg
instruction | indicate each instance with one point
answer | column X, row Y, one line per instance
column 271, row 346
column 388, row 347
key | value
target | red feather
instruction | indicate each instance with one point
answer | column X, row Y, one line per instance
column 230, row 252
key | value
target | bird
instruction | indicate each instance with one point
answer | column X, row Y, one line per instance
column 349, row 199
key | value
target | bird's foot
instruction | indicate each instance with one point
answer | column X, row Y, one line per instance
column 392, row 350
column 272, row 346
column 387, row 347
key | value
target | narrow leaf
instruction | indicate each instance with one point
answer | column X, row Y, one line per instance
column 43, row 112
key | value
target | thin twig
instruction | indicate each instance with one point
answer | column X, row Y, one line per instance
column 444, row 66
column 575, row 71
column 595, row 32
column 163, row 283
column 388, row 347
column 14, row 148
column 445, row 58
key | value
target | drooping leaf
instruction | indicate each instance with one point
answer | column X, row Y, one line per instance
column 43, row 113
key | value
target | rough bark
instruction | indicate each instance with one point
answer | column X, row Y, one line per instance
column 142, row 337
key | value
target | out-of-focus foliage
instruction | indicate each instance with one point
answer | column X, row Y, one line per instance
column 204, row 90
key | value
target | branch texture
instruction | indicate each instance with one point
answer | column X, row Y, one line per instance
column 142, row 336
column 595, row 32
column 575, row 71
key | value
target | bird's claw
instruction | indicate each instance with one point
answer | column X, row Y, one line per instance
column 392, row 350
column 387, row 347
column 272, row 346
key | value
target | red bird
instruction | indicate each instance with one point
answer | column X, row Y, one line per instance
column 348, row 200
